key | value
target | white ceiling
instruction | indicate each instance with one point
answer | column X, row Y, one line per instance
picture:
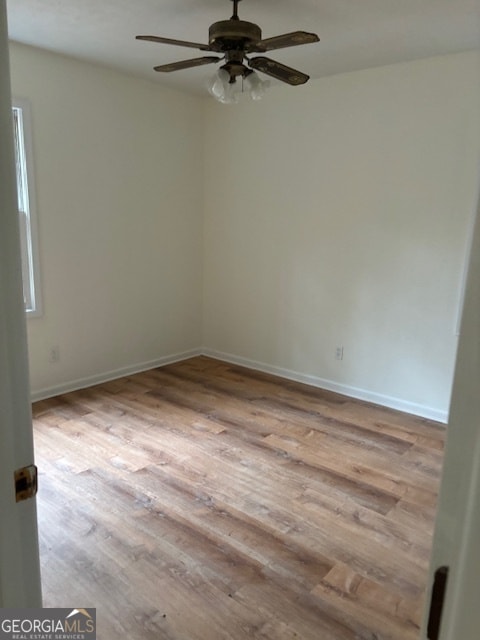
column 354, row 34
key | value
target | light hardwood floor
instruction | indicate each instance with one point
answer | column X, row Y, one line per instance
column 205, row 501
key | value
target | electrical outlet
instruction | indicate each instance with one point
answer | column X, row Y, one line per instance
column 54, row 355
column 339, row 353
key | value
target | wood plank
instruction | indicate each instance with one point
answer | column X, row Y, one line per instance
column 204, row 500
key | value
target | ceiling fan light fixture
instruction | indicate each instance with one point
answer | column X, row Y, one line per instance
column 227, row 90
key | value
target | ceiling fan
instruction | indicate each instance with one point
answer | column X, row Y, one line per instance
column 235, row 40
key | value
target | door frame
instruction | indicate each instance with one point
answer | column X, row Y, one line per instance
column 20, row 584
column 457, row 525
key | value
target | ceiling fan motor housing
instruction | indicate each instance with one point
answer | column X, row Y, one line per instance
column 233, row 34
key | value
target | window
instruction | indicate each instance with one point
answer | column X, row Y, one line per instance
column 26, row 207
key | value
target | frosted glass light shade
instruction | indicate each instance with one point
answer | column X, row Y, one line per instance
column 255, row 85
column 226, row 92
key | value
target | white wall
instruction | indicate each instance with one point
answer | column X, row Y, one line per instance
column 119, row 200
column 338, row 214
column 333, row 214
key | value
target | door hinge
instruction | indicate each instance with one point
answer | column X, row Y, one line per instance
column 436, row 603
column 26, row 483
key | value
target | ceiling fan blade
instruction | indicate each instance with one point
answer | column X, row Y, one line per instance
column 286, row 40
column 180, row 43
column 186, row 64
column 278, row 70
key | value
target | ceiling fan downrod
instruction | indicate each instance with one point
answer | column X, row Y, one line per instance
column 235, row 10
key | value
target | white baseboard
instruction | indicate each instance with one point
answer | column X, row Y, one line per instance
column 89, row 381
column 329, row 385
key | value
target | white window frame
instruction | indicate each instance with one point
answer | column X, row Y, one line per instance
column 27, row 212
